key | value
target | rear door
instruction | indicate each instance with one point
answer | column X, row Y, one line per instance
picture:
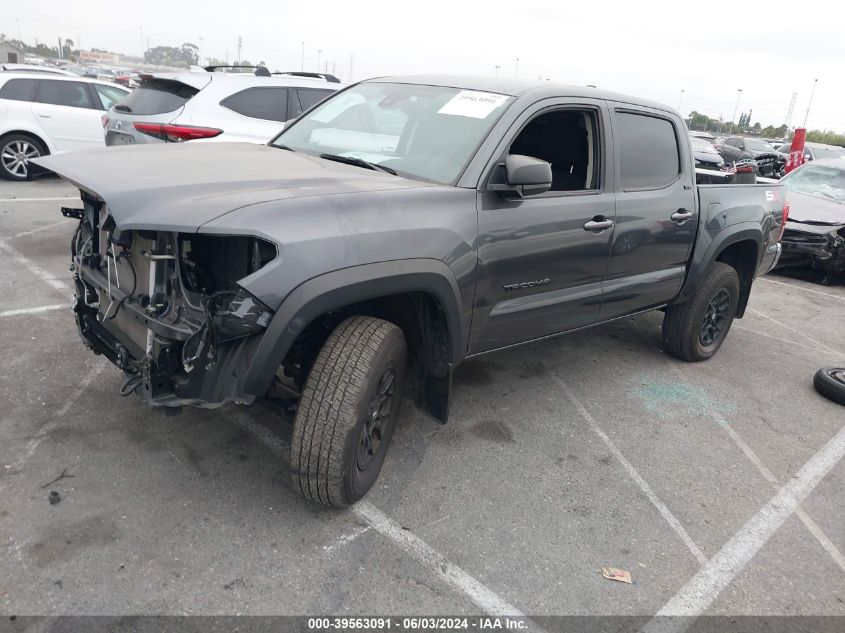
column 68, row 114
column 656, row 213
column 253, row 115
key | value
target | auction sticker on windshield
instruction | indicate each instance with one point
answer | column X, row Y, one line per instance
column 471, row 103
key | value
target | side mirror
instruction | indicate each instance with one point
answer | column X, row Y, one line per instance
column 525, row 176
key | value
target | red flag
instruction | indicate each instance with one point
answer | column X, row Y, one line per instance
column 796, row 150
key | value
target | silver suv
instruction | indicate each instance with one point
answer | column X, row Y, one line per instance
column 214, row 106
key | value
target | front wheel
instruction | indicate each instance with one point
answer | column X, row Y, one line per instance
column 694, row 330
column 348, row 411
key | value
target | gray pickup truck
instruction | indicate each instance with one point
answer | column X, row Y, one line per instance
column 394, row 230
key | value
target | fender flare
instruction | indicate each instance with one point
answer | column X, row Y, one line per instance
column 336, row 289
column 702, row 259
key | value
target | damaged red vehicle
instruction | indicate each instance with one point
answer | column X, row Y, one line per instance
column 815, row 230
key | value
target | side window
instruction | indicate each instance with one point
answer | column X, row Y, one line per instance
column 648, row 151
column 567, row 140
column 268, row 104
column 18, row 89
column 109, row 95
column 64, row 93
column 309, row 97
column 734, row 142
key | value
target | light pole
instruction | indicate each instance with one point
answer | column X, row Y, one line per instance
column 736, row 107
column 319, row 52
column 302, row 64
column 681, row 100
column 516, row 69
column 498, row 68
column 812, row 94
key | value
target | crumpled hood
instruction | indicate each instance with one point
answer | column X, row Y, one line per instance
column 180, row 187
column 806, row 208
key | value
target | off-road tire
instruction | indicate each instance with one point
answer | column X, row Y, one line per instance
column 827, row 385
column 330, row 425
column 682, row 323
column 8, row 144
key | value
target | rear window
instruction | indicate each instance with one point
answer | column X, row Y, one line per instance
column 18, row 89
column 156, row 96
column 309, row 97
column 648, row 151
column 268, row 103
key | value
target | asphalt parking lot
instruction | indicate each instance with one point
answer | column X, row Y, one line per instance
column 718, row 485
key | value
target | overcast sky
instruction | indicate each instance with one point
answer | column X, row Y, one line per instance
column 651, row 48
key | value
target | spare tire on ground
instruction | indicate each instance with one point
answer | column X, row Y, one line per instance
column 830, row 383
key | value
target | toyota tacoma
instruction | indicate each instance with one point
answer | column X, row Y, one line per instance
column 394, row 230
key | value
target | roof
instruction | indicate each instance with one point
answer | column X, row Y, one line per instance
column 520, row 87
column 13, row 45
column 29, row 74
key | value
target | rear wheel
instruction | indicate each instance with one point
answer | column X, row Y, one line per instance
column 694, row 330
column 16, row 150
column 348, row 411
column 831, row 383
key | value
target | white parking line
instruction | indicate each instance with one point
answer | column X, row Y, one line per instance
column 768, row 475
column 482, row 597
column 703, row 588
column 420, row 551
column 44, row 275
column 798, row 287
column 57, row 418
column 42, row 228
column 38, row 310
column 792, row 329
column 39, row 199
column 664, row 511
column 784, row 341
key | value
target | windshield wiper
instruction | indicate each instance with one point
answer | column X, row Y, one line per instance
column 358, row 162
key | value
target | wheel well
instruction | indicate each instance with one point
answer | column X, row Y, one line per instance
column 742, row 257
column 31, row 135
column 422, row 319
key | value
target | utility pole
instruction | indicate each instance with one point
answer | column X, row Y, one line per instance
column 681, row 100
column 61, row 53
column 240, row 41
column 20, row 39
column 516, row 69
column 142, row 41
column 319, row 52
column 791, row 110
column 351, row 66
column 302, row 63
column 810, row 103
column 498, row 68
column 736, row 107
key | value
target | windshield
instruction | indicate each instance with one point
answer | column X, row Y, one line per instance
column 828, row 152
column 425, row 132
column 818, row 180
column 758, row 146
column 700, row 145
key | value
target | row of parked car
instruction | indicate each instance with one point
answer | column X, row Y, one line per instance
column 46, row 112
column 765, row 157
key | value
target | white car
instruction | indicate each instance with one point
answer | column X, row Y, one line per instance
column 214, row 106
column 43, row 114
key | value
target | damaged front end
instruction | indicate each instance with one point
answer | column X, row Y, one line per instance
column 167, row 309
column 820, row 245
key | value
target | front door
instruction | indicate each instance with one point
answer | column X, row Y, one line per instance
column 541, row 259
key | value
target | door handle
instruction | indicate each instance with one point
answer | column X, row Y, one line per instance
column 680, row 216
column 598, row 223
column 44, row 116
